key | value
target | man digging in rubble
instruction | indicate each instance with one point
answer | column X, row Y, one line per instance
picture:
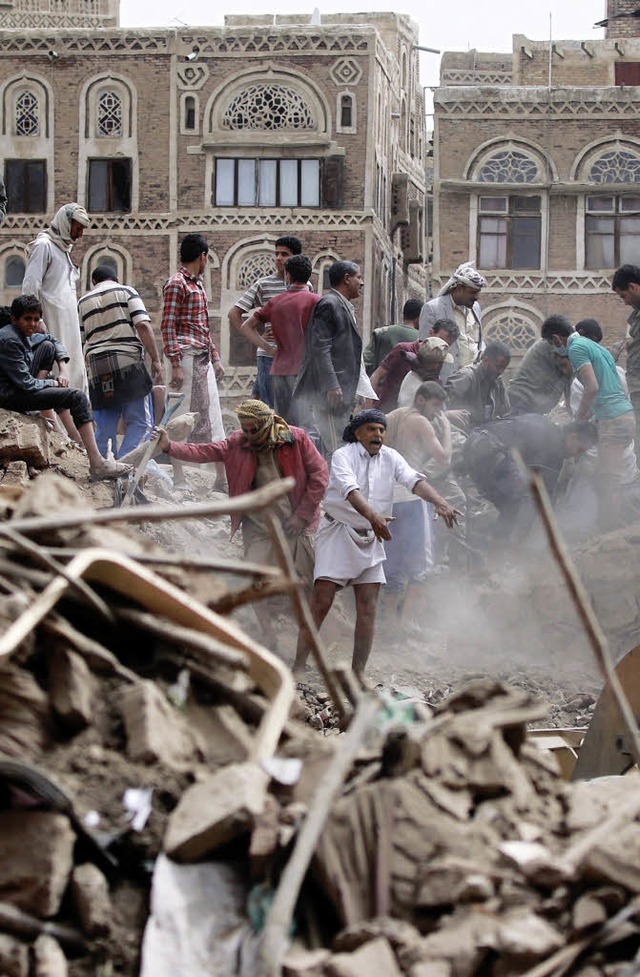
column 265, row 450
column 23, row 387
column 357, row 513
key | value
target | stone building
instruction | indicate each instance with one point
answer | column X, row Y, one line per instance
column 266, row 126
column 537, row 175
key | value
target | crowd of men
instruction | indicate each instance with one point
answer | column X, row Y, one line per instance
column 385, row 445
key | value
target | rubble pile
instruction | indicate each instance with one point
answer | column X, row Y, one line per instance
column 159, row 774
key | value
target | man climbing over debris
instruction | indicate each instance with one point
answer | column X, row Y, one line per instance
column 479, row 388
column 27, row 384
column 488, row 459
column 357, row 511
column 423, row 357
column 266, row 450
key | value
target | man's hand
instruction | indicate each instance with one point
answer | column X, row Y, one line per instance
column 448, row 513
column 380, row 526
column 218, row 369
column 63, row 381
column 160, row 435
column 63, row 374
column 294, row 525
column 156, row 372
column 177, row 377
column 334, row 400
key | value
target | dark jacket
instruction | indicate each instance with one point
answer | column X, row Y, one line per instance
column 16, row 359
column 333, row 352
column 471, row 389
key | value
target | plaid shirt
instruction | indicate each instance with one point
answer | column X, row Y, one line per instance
column 185, row 319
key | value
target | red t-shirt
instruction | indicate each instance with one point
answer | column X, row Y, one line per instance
column 288, row 314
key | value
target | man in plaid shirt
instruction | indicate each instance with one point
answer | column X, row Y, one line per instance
column 194, row 360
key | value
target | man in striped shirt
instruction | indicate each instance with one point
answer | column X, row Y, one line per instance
column 256, row 296
column 116, row 332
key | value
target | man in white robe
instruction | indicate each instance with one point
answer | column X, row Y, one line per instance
column 53, row 277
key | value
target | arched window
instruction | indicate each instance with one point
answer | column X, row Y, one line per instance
column 509, row 166
column 514, row 328
column 612, row 219
column 268, row 106
column 27, row 114
column 14, row 268
column 109, row 114
column 616, row 166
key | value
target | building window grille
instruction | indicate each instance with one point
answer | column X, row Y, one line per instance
column 617, row 166
column 509, row 232
column 509, row 166
column 514, row 329
column 612, row 231
column 268, row 107
column 267, row 183
column 27, row 110
column 25, row 181
column 14, row 269
column 110, row 115
column 109, row 185
column 258, row 265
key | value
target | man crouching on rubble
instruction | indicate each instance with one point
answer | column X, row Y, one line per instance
column 27, row 384
column 358, row 503
column 265, row 450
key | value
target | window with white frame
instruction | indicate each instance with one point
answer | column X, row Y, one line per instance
column 612, row 230
column 267, row 183
column 509, row 231
column 25, row 181
column 509, row 166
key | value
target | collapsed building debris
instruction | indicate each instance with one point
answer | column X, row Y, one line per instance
column 158, row 773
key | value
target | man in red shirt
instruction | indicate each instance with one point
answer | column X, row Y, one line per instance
column 266, row 450
column 289, row 314
column 424, row 357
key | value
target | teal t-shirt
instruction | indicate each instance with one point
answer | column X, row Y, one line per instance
column 611, row 400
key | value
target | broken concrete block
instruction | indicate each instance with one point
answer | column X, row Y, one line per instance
column 24, row 713
column 305, row 963
column 16, row 473
column 223, row 736
column 90, row 892
column 36, row 858
column 71, row 688
column 50, row 961
column 431, row 968
column 156, row 732
column 587, row 912
column 24, row 437
column 14, row 957
column 524, row 935
column 375, row 959
column 215, row 811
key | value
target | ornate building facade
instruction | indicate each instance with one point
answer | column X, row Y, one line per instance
column 537, row 175
column 267, row 126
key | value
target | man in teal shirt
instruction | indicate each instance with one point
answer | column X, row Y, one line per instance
column 603, row 396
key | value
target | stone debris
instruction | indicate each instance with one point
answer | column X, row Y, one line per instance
column 452, row 846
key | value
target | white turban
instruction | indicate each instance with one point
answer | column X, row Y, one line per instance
column 61, row 224
column 465, row 274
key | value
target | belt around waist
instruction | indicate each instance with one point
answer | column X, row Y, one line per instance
column 360, row 532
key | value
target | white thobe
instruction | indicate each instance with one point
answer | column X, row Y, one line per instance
column 52, row 276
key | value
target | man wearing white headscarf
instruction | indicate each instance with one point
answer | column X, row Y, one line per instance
column 52, row 276
column 458, row 301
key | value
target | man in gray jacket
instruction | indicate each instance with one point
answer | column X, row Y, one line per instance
column 331, row 367
column 458, row 301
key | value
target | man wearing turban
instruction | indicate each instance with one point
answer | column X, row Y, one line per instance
column 357, row 512
column 264, row 450
column 52, row 276
column 458, row 301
